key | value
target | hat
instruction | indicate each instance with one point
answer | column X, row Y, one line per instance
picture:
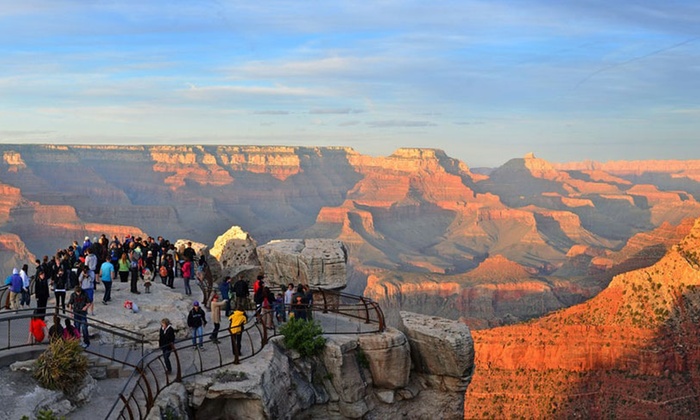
column 195, row 303
column 87, row 238
column 15, row 271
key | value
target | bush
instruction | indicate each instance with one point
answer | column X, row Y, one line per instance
column 62, row 367
column 303, row 336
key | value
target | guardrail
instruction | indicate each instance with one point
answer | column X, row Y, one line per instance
column 15, row 326
column 138, row 396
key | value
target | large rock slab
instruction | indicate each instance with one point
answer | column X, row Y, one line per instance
column 439, row 346
column 235, row 252
column 389, row 358
column 317, row 262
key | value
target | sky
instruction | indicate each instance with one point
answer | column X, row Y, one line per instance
column 485, row 81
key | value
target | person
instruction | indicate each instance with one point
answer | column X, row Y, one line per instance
column 170, row 264
column 86, row 282
column 41, row 291
column 187, row 275
column 268, row 298
column 308, row 301
column 37, row 330
column 225, row 290
column 189, row 253
column 299, row 303
column 216, row 306
column 258, row 294
column 79, row 303
column 91, row 263
column 15, row 289
column 240, row 289
column 70, row 332
column 197, row 320
column 25, row 298
column 56, row 330
column 166, row 342
column 107, row 275
column 288, row 297
column 59, row 288
column 134, row 262
column 237, row 321
column 278, row 307
column 124, row 267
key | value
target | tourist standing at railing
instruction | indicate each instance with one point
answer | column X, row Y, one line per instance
column 80, row 303
column 166, row 342
column 41, row 291
column 25, row 298
column 309, row 301
column 288, row 298
column 216, row 306
column 225, row 291
column 242, row 293
column 237, row 321
column 15, row 289
column 197, row 320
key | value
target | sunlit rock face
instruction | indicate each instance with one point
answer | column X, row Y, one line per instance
column 235, row 252
column 626, row 351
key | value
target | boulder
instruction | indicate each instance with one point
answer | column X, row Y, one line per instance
column 439, row 346
column 233, row 250
column 316, row 262
column 389, row 358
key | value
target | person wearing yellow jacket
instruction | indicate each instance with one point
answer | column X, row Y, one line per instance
column 237, row 320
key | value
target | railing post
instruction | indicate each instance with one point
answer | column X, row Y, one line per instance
column 325, row 301
column 362, row 299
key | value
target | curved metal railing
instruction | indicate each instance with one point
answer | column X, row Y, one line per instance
column 14, row 331
column 139, row 394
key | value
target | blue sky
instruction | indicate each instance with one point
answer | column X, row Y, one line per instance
column 485, row 81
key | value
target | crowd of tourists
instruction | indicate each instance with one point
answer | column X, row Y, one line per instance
column 80, row 268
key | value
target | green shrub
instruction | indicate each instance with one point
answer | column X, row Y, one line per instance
column 303, row 336
column 62, row 366
column 45, row 415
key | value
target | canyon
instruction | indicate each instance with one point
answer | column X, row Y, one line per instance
column 577, row 280
column 422, row 230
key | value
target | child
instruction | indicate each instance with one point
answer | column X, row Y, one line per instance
column 278, row 306
column 37, row 330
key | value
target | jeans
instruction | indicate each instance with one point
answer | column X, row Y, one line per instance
column 188, row 290
column 108, row 291
column 198, row 332
column 25, row 299
column 215, row 334
column 166, row 358
column 81, row 323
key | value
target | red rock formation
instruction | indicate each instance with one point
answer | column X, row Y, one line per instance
column 632, row 349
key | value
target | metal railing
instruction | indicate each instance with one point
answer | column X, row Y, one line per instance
column 14, row 333
column 139, row 394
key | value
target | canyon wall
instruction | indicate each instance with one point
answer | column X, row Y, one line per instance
column 416, row 214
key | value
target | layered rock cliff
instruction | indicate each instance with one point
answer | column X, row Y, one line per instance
column 417, row 211
column 632, row 349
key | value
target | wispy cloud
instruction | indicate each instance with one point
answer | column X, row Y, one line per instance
column 398, row 123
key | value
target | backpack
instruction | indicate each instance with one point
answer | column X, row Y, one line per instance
column 163, row 271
